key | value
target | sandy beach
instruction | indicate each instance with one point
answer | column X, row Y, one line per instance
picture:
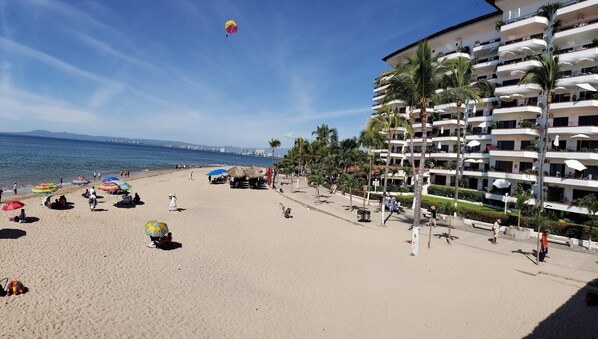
column 242, row 270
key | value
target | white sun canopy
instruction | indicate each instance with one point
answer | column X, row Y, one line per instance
column 580, row 136
column 473, row 143
column 587, row 87
column 576, row 165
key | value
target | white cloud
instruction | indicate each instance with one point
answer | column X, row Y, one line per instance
column 104, row 95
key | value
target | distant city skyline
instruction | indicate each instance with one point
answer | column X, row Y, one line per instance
column 166, row 70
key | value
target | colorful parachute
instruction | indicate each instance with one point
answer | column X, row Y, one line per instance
column 231, row 27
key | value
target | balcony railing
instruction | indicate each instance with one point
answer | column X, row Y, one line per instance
column 575, row 124
column 486, row 42
column 519, row 18
column 535, row 36
column 578, row 24
column 575, row 49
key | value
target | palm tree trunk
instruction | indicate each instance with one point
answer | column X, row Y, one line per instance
column 350, row 199
column 420, row 177
column 448, row 238
column 369, row 175
column 412, row 121
column 385, row 177
column 541, row 156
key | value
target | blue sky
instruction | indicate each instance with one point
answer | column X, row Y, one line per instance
column 164, row 69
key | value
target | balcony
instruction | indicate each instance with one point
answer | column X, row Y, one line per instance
column 379, row 97
column 485, row 66
column 381, row 88
column 454, row 55
column 478, row 120
column 513, row 154
column 445, row 138
column 579, row 107
column 516, row 69
column 517, row 113
column 499, row 174
column 448, row 123
column 478, row 137
column 560, row 206
column 523, row 46
column 486, row 47
column 580, row 183
column 527, row 90
column 419, row 125
column 443, row 155
column 581, row 31
column 398, row 142
column 524, row 25
column 579, row 78
column 573, row 128
column 572, row 155
column 571, row 12
column 515, row 131
column 577, row 55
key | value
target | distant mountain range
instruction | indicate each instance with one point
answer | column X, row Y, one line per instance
column 74, row 136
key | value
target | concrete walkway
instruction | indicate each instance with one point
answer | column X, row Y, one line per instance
column 563, row 262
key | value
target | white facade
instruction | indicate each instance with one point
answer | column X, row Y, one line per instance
column 506, row 125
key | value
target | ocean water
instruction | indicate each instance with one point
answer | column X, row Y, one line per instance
column 29, row 161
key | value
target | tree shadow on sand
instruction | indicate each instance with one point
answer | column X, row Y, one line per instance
column 11, row 233
column 445, row 235
column 530, row 255
column 120, row 205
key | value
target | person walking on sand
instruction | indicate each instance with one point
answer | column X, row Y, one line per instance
column 14, row 188
column 432, row 216
column 172, row 206
column 1, row 195
column 495, row 230
column 191, row 175
column 544, row 246
column 60, row 182
column 94, row 175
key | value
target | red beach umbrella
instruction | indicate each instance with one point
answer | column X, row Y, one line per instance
column 12, row 205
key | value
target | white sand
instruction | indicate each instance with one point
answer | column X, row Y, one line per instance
column 245, row 271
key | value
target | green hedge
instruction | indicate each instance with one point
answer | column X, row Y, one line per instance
column 464, row 194
column 553, row 227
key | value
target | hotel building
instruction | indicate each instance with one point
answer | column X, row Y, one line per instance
column 502, row 132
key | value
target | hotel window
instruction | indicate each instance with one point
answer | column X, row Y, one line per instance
column 560, row 122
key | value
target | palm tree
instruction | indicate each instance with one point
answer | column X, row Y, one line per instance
column 274, row 144
column 421, row 82
column 590, row 202
column 371, row 139
column 522, row 197
column 461, row 86
column 546, row 77
column 316, row 179
column 322, row 134
column 350, row 182
column 385, row 121
column 300, row 148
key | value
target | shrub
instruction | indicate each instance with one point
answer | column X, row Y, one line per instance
column 464, row 194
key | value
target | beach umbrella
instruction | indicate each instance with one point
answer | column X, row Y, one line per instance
column 45, row 188
column 123, row 185
column 556, row 141
column 155, row 228
column 501, row 183
column 236, row 172
column 473, row 143
column 580, row 136
column 110, row 179
column 80, row 181
column 109, row 186
column 12, row 205
column 217, row 172
column 253, row 172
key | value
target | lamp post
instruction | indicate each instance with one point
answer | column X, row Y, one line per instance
column 506, row 201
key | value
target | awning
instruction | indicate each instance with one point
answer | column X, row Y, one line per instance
column 501, row 183
column 587, row 61
column 576, row 165
column 470, row 160
column 524, row 50
column 580, row 136
column 473, row 143
column 480, row 161
column 505, row 98
column 484, row 124
column 560, row 89
column 517, row 96
column 517, row 73
column 565, row 63
column 587, row 87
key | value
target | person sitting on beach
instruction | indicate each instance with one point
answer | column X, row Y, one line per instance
column 21, row 217
column 46, row 200
column 15, row 287
column 136, row 199
column 62, row 201
column 86, row 194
